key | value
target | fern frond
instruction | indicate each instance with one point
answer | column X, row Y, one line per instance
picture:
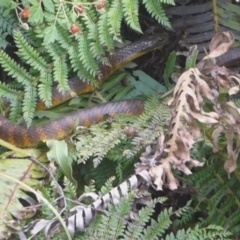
column 60, row 74
column 14, row 69
column 45, row 89
column 7, row 92
column 7, row 24
column 131, row 14
column 69, row 189
column 215, row 190
column 150, row 123
column 98, row 52
column 96, row 48
column 86, row 57
column 108, row 186
column 105, row 37
column 155, row 9
column 210, row 232
column 63, row 38
column 142, row 218
column 157, row 228
column 16, row 110
column 78, row 67
column 29, row 104
column 54, row 50
column 170, row 2
column 93, row 144
column 185, row 214
column 115, row 15
column 28, row 53
column 91, row 25
column 48, row 194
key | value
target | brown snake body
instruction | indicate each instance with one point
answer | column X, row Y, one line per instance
column 60, row 128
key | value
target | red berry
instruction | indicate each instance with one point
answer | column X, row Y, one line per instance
column 75, row 28
column 80, row 9
column 25, row 13
column 101, row 5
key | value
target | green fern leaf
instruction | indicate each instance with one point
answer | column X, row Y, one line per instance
column 29, row 104
column 15, row 70
column 131, row 11
column 7, row 92
column 142, row 218
column 86, row 57
column 105, row 37
column 63, row 38
column 7, row 24
column 54, row 50
column 156, row 10
column 157, row 228
column 16, row 110
column 78, row 67
column 60, row 74
column 90, row 25
column 28, row 53
column 171, row 2
column 96, row 48
column 98, row 52
column 45, row 89
column 115, row 15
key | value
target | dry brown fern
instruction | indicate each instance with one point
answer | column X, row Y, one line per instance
column 198, row 90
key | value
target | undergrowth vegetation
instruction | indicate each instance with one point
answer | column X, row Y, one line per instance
column 108, row 181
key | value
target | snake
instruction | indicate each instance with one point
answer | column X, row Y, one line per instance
column 22, row 137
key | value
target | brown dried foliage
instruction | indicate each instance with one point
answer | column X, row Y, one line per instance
column 195, row 89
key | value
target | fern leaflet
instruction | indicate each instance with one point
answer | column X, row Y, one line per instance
column 29, row 104
column 130, row 12
column 156, row 10
column 105, row 37
column 86, row 57
column 115, row 15
column 15, row 70
column 60, row 74
column 28, row 53
column 45, row 89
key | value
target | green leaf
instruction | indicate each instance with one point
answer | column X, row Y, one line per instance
column 15, row 70
column 149, row 82
column 58, row 151
column 33, row 2
column 169, row 69
column 60, row 74
column 8, row 92
column 36, row 14
column 28, row 53
column 29, row 103
column 192, row 59
column 6, row 3
column 115, row 15
column 50, row 34
column 131, row 14
column 45, row 89
column 141, row 87
column 156, row 10
column 105, row 37
column 49, row 6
